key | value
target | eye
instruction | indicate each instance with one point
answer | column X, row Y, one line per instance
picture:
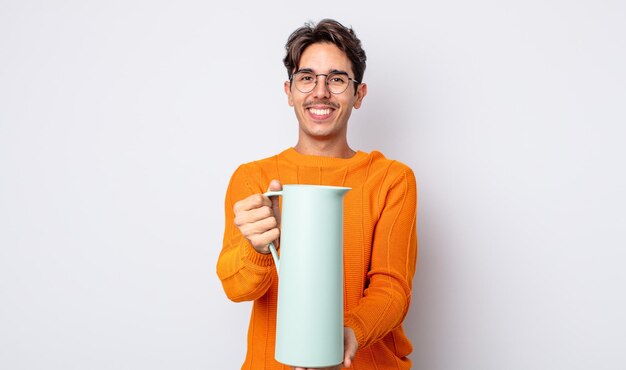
column 337, row 79
column 306, row 77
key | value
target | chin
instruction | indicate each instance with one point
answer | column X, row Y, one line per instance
column 316, row 130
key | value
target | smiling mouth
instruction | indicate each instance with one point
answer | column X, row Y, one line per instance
column 320, row 111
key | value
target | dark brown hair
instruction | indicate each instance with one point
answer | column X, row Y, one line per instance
column 327, row 30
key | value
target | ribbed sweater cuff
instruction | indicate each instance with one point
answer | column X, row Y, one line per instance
column 256, row 258
column 355, row 324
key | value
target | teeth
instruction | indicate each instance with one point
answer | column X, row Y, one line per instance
column 320, row 112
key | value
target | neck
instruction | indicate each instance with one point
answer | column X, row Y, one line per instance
column 325, row 149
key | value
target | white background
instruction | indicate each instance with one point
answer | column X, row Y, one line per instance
column 122, row 121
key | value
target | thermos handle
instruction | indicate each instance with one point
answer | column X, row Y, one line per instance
column 271, row 245
column 274, row 255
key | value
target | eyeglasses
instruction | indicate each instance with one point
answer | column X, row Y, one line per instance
column 336, row 82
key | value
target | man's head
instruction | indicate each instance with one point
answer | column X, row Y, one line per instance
column 325, row 63
column 325, row 31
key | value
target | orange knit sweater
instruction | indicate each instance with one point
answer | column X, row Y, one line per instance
column 380, row 252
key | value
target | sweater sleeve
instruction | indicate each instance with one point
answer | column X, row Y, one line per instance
column 245, row 274
column 386, row 299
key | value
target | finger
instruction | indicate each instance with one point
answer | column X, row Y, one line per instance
column 276, row 209
column 252, row 202
column 253, row 215
column 258, row 227
column 260, row 241
column 349, row 355
column 347, row 362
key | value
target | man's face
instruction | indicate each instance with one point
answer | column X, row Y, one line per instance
column 321, row 114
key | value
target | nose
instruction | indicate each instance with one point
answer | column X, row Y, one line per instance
column 321, row 88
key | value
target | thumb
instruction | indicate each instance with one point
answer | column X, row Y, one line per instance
column 350, row 346
column 275, row 185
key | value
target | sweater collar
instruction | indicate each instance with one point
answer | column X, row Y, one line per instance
column 293, row 156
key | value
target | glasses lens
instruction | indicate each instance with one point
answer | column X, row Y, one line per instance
column 337, row 83
column 304, row 81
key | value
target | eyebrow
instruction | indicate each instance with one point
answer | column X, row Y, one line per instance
column 335, row 71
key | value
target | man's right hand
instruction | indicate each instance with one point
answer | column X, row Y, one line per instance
column 258, row 217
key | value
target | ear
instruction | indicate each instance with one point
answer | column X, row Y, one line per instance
column 361, row 91
column 288, row 92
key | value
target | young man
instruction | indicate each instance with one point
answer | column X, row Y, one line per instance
column 325, row 64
